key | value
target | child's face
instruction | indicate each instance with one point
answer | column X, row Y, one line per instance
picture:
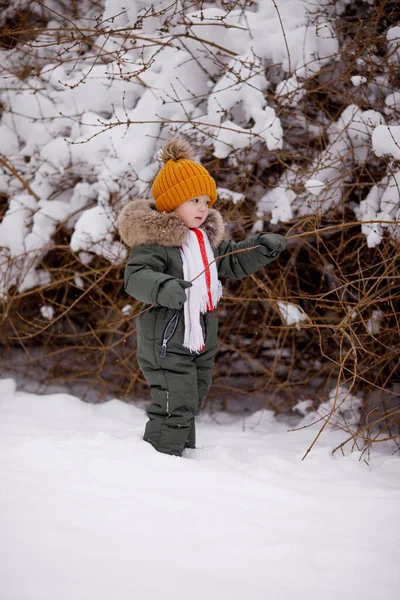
column 193, row 212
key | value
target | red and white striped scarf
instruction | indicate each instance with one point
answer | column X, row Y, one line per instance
column 206, row 291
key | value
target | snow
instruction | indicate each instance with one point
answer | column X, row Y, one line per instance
column 8, row 141
column 290, row 91
column 47, row 312
column 291, row 314
column 119, row 13
column 381, row 203
column 32, row 279
column 15, row 224
column 392, row 102
column 78, row 281
column 349, row 142
column 393, row 38
column 386, row 140
column 357, row 80
column 277, row 202
column 89, row 510
column 347, row 404
column 93, row 233
column 314, row 186
column 96, row 124
column 226, row 194
column 126, row 310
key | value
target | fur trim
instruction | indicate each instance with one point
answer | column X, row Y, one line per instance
column 177, row 148
column 140, row 223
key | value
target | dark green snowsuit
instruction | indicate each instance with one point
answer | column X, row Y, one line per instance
column 179, row 380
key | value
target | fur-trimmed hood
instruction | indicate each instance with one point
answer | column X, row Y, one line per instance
column 140, row 223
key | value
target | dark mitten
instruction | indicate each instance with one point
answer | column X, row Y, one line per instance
column 272, row 243
column 172, row 293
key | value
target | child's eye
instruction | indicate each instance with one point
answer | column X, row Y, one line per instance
column 195, row 200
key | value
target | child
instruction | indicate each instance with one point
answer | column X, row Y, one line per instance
column 172, row 241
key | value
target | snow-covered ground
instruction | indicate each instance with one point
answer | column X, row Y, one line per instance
column 90, row 511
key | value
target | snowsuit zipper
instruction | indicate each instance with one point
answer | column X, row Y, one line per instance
column 168, row 332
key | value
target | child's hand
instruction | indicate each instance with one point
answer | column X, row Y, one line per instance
column 273, row 243
column 172, row 293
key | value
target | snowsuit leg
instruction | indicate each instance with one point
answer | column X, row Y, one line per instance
column 204, row 370
column 172, row 412
column 179, row 381
column 191, row 438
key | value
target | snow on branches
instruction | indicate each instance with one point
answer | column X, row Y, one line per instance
column 87, row 99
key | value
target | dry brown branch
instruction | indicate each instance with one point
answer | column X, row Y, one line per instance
column 10, row 167
column 348, row 292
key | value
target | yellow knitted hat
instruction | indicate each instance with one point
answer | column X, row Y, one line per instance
column 181, row 178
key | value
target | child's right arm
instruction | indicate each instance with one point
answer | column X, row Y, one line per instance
column 146, row 281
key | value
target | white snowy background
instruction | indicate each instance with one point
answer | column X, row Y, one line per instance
column 87, row 509
column 86, row 122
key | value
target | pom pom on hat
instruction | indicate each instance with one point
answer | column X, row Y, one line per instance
column 177, row 148
column 181, row 178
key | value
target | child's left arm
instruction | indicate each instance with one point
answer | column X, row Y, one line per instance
column 243, row 264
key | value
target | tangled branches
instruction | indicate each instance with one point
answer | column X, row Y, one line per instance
column 295, row 116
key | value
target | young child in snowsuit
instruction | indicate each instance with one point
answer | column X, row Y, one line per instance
column 173, row 240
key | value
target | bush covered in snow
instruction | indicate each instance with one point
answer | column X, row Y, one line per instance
column 295, row 109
